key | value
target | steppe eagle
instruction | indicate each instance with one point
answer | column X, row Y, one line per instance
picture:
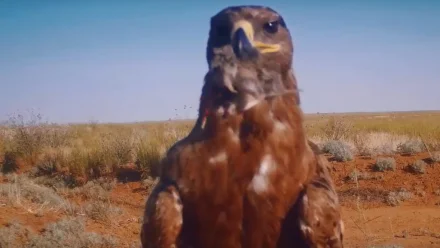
column 246, row 176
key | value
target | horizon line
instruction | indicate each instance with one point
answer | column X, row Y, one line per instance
column 436, row 111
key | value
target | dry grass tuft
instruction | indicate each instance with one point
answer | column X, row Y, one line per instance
column 358, row 175
column 19, row 190
column 101, row 210
column 340, row 150
column 362, row 195
column 97, row 189
column 70, row 233
column 385, row 164
column 411, row 147
column 12, row 233
column 436, row 157
column 337, row 129
column 395, row 198
column 418, row 167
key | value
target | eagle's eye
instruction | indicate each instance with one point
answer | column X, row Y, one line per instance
column 271, row 27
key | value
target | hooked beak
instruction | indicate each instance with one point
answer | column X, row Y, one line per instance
column 244, row 45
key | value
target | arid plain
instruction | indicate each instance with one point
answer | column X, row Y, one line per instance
column 85, row 185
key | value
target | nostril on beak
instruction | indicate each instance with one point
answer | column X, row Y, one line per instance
column 241, row 45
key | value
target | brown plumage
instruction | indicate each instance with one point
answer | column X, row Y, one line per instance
column 241, row 173
column 315, row 219
column 319, row 210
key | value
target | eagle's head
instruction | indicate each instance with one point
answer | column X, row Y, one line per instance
column 249, row 53
column 252, row 33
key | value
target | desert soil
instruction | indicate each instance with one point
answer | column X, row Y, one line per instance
column 369, row 220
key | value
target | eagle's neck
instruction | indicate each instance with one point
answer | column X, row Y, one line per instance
column 275, row 116
column 215, row 115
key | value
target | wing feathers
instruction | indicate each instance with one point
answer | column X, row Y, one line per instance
column 162, row 218
column 319, row 211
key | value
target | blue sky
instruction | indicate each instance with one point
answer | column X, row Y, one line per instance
column 123, row 61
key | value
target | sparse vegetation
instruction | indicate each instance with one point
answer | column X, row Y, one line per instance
column 101, row 210
column 70, row 233
column 337, row 128
column 418, row 167
column 20, row 190
column 84, row 152
column 360, row 142
column 98, row 189
column 358, row 175
column 411, row 147
column 339, row 150
column 436, row 157
column 89, row 151
column 77, row 177
column 395, row 198
column 11, row 234
column 385, row 164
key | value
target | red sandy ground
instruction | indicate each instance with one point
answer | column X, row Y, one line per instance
column 415, row 223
